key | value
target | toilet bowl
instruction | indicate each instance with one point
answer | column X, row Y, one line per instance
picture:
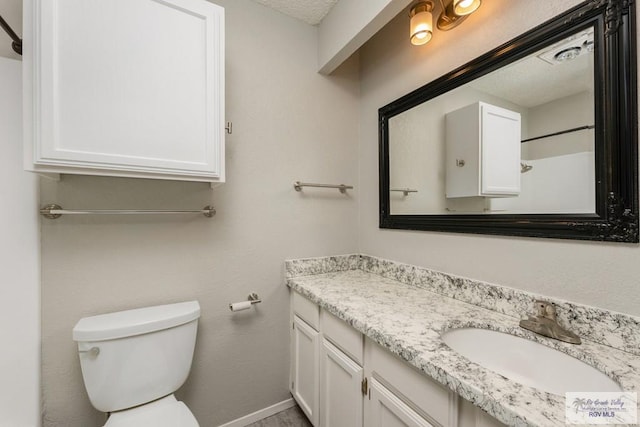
column 163, row 412
column 133, row 361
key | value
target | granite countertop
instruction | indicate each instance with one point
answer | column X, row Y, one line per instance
column 409, row 321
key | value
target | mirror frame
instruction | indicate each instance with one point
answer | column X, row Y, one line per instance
column 616, row 132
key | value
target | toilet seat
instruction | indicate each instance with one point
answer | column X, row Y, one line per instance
column 165, row 412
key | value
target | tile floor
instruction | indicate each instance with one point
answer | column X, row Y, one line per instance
column 292, row 417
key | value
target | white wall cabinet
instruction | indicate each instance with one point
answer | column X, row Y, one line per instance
column 482, row 151
column 362, row 384
column 130, row 88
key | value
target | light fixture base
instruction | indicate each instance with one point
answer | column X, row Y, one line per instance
column 448, row 20
column 421, row 6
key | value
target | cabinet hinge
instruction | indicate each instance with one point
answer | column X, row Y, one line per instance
column 292, row 388
column 365, row 386
column 229, row 128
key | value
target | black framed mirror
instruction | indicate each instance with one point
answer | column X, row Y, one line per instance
column 537, row 137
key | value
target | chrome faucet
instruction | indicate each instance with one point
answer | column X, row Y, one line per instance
column 545, row 323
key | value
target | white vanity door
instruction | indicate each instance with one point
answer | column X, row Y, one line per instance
column 340, row 388
column 385, row 409
column 125, row 88
column 304, row 370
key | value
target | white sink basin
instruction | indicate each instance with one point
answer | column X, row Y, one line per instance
column 527, row 362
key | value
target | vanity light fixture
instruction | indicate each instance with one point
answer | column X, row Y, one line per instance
column 421, row 26
column 455, row 11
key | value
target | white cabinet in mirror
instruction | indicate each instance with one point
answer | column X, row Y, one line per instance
column 482, row 152
column 125, row 88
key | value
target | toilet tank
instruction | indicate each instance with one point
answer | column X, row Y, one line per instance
column 133, row 357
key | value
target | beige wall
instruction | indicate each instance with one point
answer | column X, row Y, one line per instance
column 601, row 274
column 19, row 264
column 290, row 123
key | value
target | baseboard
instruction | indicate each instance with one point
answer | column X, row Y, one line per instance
column 261, row 414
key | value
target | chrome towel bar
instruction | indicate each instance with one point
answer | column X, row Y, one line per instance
column 54, row 211
column 343, row 188
column 406, row 191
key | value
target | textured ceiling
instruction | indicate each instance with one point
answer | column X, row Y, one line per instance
column 533, row 81
column 309, row 11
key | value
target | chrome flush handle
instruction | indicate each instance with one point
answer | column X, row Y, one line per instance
column 92, row 352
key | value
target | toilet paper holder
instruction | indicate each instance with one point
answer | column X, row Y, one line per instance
column 253, row 298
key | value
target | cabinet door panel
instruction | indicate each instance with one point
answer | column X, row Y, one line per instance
column 384, row 409
column 305, row 368
column 470, row 415
column 343, row 336
column 500, row 151
column 340, row 388
column 116, row 88
column 433, row 399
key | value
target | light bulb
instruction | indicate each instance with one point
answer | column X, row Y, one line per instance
column 421, row 26
column 465, row 7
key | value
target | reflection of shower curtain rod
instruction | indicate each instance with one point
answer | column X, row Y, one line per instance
column 562, row 132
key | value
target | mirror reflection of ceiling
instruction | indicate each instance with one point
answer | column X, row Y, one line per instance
column 538, row 79
column 553, row 169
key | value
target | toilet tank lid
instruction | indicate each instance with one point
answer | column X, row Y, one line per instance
column 135, row 322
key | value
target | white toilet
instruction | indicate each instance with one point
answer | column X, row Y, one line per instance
column 133, row 361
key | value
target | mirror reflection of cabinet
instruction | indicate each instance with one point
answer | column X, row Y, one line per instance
column 482, row 151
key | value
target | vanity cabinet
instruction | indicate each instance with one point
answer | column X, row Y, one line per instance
column 351, row 381
column 482, row 151
column 399, row 395
column 305, row 356
column 386, row 409
column 341, row 382
column 131, row 88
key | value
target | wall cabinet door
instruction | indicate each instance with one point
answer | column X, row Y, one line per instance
column 482, row 151
column 305, row 368
column 340, row 388
column 385, row 409
column 125, row 88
